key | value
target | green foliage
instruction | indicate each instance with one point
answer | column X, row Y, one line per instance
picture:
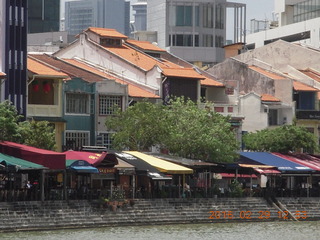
column 181, row 127
column 36, row 134
column 235, row 189
column 282, row 139
column 9, row 118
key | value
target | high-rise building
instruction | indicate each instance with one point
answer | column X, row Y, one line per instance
column 296, row 21
column 13, row 47
column 80, row 15
column 140, row 15
column 43, row 16
column 194, row 30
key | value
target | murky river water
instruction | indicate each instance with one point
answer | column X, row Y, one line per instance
column 223, row 231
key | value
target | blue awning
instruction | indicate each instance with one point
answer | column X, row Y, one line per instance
column 81, row 166
column 265, row 158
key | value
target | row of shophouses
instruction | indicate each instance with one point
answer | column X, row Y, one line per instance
column 32, row 174
column 77, row 87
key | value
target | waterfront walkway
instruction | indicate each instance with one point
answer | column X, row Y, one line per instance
column 34, row 215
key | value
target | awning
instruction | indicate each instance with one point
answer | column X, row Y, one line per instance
column 81, row 166
column 142, row 167
column 103, row 159
column 309, row 162
column 262, row 169
column 265, row 158
column 46, row 158
column 161, row 165
column 14, row 163
column 159, row 176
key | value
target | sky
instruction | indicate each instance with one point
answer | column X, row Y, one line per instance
column 255, row 9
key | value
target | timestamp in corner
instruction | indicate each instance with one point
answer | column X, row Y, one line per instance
column 261, row 215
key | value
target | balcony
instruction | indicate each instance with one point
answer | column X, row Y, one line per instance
column 308, row 114
column 225, row 109
column 37, row 110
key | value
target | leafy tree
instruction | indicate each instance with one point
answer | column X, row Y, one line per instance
column 137, row 128
column 9, row 118
column 181, row 127
column 282, row 139
column 36, row 134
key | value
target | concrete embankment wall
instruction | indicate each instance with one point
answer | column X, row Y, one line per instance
column 49, row 215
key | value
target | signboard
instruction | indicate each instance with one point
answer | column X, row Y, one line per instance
column 107, row 170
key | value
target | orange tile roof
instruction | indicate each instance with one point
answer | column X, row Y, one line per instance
column 182, row 72
column 269, row 98
column 133, row 56
column 42, row 69
column 266, row 73
column 145, row 45
column 211, row 82
column 312, row 74
column 133, row 90
column 298, row 86
column 107, row 32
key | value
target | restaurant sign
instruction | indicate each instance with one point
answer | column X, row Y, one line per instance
column 107, row 170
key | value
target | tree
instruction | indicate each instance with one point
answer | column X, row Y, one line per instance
column 36, row 134
column 181, row 127
column 137, row 128
column 9, row 118
column 282, row 139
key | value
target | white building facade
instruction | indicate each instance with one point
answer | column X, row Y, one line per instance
column 297, row 21
column 194, row 30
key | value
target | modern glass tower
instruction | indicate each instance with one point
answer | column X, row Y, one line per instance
column 13, row 44
column 43, row 16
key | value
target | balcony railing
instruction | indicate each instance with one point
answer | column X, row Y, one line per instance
column 308, row 114
column 223, row 108
column 36, row 110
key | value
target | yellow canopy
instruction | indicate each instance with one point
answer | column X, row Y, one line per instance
column 162, row 165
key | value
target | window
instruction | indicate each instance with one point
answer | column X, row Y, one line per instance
column 183, row 16
column 77, row 103
column 105, row 140
column 183, row 40
column 109, row 104
column 208, row 40
column 208, row 16
column 273, row 117
column 76, row 139
column 219, row 17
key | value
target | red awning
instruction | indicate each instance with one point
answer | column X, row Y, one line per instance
column 46, row 158
column 95, row 159
column 308, row 161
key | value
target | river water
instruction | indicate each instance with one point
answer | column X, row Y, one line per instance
column 224, row 231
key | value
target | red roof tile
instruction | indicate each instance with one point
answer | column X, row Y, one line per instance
column 107, row 32
column 298, row 86
column 269, row 98
column 42, row 69
column 266, row 73
column 145, row 45
column 211, row 82
column 182, row 72
column 312, row 74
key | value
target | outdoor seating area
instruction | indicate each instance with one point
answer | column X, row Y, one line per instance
column 130, row 175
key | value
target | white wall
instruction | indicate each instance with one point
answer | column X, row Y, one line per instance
column 255, row 118
column 83, row 49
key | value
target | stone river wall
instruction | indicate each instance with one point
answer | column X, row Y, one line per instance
column 49, row 215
